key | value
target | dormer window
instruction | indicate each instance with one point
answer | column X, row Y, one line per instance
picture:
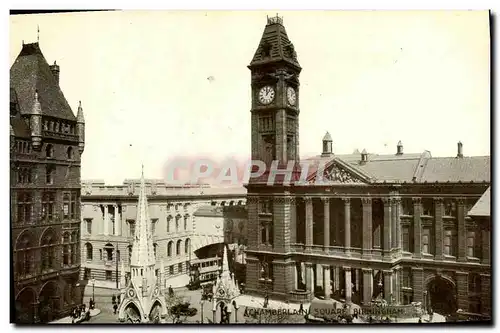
column 266, row 50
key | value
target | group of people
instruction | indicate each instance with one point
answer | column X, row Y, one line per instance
column 80, row 313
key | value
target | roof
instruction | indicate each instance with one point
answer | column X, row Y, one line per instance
column 276, row 39
column 20, row 128
column 327, row 137
column 209, row 211
column 482, row 206
column 31, row 72
column 410, row 168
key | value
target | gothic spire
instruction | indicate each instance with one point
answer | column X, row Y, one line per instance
column 142, row 250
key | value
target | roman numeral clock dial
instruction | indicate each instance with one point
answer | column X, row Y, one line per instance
column 266, row 95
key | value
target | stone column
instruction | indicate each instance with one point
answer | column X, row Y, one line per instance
column 396, row 285
column 336, row 278
column 356, row 278
column 438, row 202
column 319, row 275
column 387, row 285
column 118, row 221
column 387, row 224
column 326, row 223
column 309, row 277
column 418, row 284
column 486, row 294
column 348, row 285
column 327, row 286
column 462, row 290
column 347, row 225
column 398, row 223
column 106, row 221
column 293, row 221
column 485, row 245
column 417, row 228
column 394, row 233
column 367, row 285
column 461, row 230
column 296, row 277
column 367, row 227
column 309, row 223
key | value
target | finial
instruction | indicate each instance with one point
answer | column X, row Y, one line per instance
column 36, row 95
column 55, row 63
column 23, row 42
column 37, row 33
column 79, row 102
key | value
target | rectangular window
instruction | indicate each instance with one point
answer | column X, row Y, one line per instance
column 266, row 206
column 266, row 269
column 450, row 208
column 153, row 226
column 48, row 205
column 179, row 268
column 406, row 239
column 471, row 244
column 263, row 233
column 24, row 175
column 131, row 227
column 109, row 275
column 49, row 174
column 407, row 204
column 426, row 240
column 24, row 207
column 447, row 242
column 428, row 207
column 171, row 269
column 66, row 201
column 407, row 278
column 88, row 222
column 109, row 254
column 74, row 206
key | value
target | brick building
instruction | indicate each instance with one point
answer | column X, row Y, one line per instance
column 46, row 145
column 392, row 226
column 108, row 225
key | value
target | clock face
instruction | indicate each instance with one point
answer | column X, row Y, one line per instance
column 266, row 95
column 291, row 96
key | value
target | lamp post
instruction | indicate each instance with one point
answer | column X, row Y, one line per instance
column 201, row 304
column 93, row 288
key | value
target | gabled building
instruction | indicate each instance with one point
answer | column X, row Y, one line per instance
column 46, row 144
column 361, row 225
column 143, row 297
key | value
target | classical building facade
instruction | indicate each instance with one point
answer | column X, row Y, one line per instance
column 358, row 226
column 109, row 225
column 46, row 144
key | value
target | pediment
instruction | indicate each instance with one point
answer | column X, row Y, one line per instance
column 338, row 172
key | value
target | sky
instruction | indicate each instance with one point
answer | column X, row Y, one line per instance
column 156, row 84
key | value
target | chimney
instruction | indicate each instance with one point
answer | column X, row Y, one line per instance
column 399, row 148
column 364, row 156
column 55, row 71
column 460, row 152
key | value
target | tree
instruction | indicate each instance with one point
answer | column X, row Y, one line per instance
column 182, row 310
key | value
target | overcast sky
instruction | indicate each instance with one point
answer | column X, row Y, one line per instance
column 155, row 85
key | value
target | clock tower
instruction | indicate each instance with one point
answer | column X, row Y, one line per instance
column 275, row 137
column 275, row 97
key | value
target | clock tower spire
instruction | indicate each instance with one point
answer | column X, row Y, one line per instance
column 275, row 97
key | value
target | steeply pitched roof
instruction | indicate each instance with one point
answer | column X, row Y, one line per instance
column 412, row 168
column 20, row 128
column 276, row 40
column 31, row 72
column 482, row 206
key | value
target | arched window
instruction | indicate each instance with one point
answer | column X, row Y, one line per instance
column 109, row 251
column 66, row 249
column 69, row 153
column 89, row 249
column 169, row 249
column 48, row 250
column 178, row 247
column 49, row 150
column 129, row 253
column 186, row 246
column 75, row 247
column 25, row 255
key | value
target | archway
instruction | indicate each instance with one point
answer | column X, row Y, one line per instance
column 49, row 302
column 25, row 302
column 442, row 296
column 132, row 313
column 155, row 313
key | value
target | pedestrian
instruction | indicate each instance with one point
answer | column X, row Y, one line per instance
column 115, row 307
column 301, row 308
